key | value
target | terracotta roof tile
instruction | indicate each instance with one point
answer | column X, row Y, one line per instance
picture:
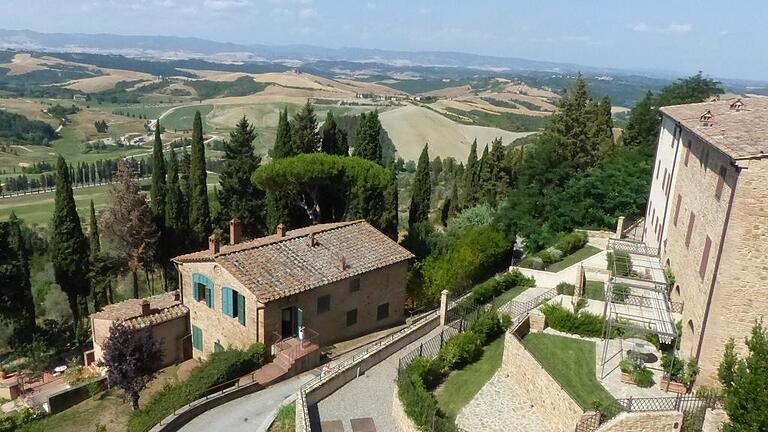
column 273, row 267
column 739, row 133
column 163, row 307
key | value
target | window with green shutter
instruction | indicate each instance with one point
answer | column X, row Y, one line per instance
column 197, row 338
column 233, row 304
column 226, row 301
column 240, row 308
column 202, row 289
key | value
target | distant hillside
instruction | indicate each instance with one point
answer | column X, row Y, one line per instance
column 20, row 130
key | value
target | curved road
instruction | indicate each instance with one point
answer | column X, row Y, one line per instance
column 256, row 410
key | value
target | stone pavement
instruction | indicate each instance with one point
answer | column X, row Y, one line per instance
column 369, row 395
column 500, row 407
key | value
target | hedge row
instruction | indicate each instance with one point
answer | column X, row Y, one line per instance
column 219, row 368
column 422, row 375
column 583, row 323
column 495, row 286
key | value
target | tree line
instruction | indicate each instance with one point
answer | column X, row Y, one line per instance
column 17, row 127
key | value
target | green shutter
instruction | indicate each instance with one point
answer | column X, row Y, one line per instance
column 241, row 308
column 226, row 301
column 209, row 295
column 197, row 338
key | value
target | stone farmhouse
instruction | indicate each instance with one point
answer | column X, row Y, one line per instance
column 335, row 281
column 707, row 217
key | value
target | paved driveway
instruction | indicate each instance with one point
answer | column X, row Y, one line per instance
column 254, row 411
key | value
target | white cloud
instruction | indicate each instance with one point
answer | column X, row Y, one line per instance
column 671, row 28
column 225, row 5
column 307, row 12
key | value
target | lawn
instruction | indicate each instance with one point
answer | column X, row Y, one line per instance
column 594, row 290
column 572, row 363
column 461, row 386
column 181, row 118
column 580, row 255
column 506, row 296
column 285, row 420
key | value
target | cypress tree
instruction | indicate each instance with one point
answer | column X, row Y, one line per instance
column 642, row 127
column 282, row 147
column 158, row 191
column 24, row 301
column 453, row 206
column 304, row 135
column 421, row 191
column 93, row 230
column 175, row 217
column 239, row 197
column 333, row 138
column 368, row 143
column 199, row 211
column 470, row 181
column 69, row 248
column 389, row 217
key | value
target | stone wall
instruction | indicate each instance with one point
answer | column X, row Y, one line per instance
column 662, row 421
column 263, row 321
column 714, row 419
column 554, row 405
column 402, row 422
column 739, row 297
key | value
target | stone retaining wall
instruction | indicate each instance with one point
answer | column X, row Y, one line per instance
column 662, row 421
column 554, row 405
column 402, row 422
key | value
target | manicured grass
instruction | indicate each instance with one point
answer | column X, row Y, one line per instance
column 108, row 409
column 181, row 119
column 572, row 363
column 594, row 290
column 461, row 386
column 581, row 254
column 509, row 295
column 285, row 420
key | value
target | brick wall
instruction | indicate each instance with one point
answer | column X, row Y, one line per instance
column 170, row 334
column 695, row 184
column 554, row 405
column 663, row 421
column 740, row 295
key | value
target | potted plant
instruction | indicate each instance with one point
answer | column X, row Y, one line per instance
column 680, row 375
column 633, row 371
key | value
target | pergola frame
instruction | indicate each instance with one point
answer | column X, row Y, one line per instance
column 636, row 296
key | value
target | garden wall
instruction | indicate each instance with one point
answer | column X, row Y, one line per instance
column 553, row 404
column 67, row 398
column 661, row 421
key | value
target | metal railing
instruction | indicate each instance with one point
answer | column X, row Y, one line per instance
column 291, row 346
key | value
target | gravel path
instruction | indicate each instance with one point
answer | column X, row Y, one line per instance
column 369, row 395
column 500, row 407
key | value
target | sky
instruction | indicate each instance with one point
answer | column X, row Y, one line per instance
column 725, row 39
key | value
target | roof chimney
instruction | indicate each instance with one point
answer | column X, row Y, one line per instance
column 214, row 244
column 281, row 230
column 235, row 231
column 144, row 305
column 311, row 240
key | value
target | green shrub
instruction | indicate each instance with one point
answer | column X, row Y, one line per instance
column 546, row 258
column 460, row 350
column 219, row 368
column 691, row 371
column 506, row 320
column 556, row 254
column 566, row 288
column 623, row 263
column 674, row 366
column 532, row 262
column 514, row 279
column 643, row 377
column 571, row 242
column 487, row 326
column 426, row 371
column 11, row 422
column 620, row 292
column 495, row 286
column 473, row 256
column 583, row 324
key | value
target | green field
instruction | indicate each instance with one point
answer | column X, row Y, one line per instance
column 38, row 208
column 580, row 255
column 148, row 111
column 181, row 118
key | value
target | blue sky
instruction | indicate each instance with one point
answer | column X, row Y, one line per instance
column 724, row 39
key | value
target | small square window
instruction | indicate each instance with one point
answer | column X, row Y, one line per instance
column 351, row 317
column 323, row 303
column 382, row 311
column 202, row 292
column 354, row 285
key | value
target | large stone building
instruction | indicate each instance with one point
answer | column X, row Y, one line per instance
column 708, row 218
column 338, row 281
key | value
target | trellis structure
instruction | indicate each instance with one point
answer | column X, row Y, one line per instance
column 636, row 297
